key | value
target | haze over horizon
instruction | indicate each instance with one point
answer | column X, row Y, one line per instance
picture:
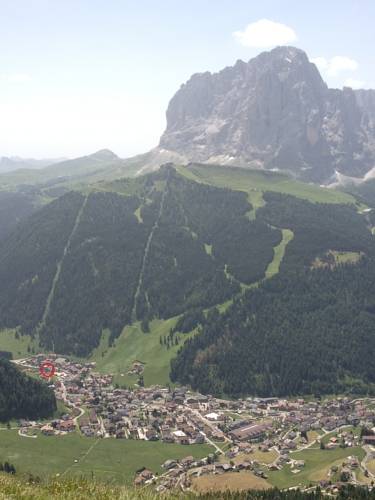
column 79, row 79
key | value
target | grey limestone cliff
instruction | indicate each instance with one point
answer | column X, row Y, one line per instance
column 274, row 112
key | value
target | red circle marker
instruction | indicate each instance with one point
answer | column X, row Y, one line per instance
column 47, row 369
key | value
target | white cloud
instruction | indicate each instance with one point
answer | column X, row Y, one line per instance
column 335, row 65
column 265, row 33
column 354, row 84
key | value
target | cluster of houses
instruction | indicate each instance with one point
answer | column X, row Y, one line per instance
column 59, row 426
column 254, row 424
column 234, row 428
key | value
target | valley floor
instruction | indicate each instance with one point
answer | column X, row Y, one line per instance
column 179, row 439
column 73, row 455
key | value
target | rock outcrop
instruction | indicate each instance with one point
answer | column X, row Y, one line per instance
column 274, row 112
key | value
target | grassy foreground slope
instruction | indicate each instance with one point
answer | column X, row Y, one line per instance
column 81, row 489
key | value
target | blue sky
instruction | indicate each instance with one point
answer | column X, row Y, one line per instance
column 80, row 75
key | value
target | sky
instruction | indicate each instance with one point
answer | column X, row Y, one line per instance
column 77, row 76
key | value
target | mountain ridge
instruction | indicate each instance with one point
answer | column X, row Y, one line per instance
column 98, row 268
column 273, row 112
column 11, row 163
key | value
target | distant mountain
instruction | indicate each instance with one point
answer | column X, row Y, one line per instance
column 84, row 164
column 8, row 164
column 274, row 112
column 26, row 189
column 103, row 165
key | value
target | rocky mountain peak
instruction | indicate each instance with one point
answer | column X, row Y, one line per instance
column 274, row 111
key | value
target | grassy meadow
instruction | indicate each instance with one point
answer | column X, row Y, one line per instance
column 317, row 465
column 134, row 345
column 109, row 460
column 279, row 252
column 255, row 181
column 231, row 481
column 17, row 346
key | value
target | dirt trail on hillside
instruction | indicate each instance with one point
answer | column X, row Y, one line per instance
column 146, row 252
column 59, row 267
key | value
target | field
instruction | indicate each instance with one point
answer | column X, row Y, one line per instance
column 279, row 251
column 234, row 481
column 361, row 478
column 334, row 258
column 346, row 428
column 255, row 197
column 252, row 181
column 346, row 257
column 263, row 457
column 134, row 345
column 371, row 465
column 17, row 346
column 317, row 465
column 313, row 435
column 112, row 460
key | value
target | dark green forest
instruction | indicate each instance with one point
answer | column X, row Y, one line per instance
column 22, row 396
column 163, row 245
column 28, row 259
column 98, row 277
column 317, row 227
column 180, row 274
column 14, row 207
column 87, row 262
column 305, row 331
